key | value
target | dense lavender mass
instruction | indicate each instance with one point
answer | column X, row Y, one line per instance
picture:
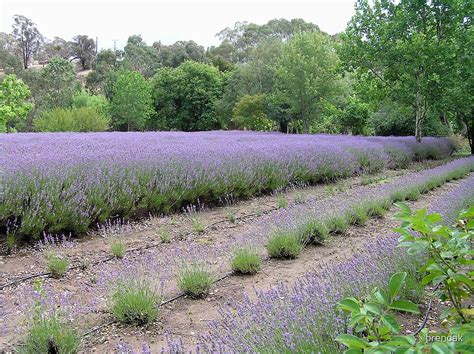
column 69, row 182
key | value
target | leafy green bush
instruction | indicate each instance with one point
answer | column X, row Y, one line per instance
column 71, row 120
column 84, row 99
column 195, row 280
column 314, row 231
column 135, row 303
column 246, row 261
column 371, row 321
column 249, row 113
column 57, row 265
column 284, row 244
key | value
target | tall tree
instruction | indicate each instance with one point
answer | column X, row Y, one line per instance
column 27, row 37
column 13, row 105
column 186, row 96
column 407, row 46
column 306, row 75
column 83, row 48
column 132, row 103
column 141, row 57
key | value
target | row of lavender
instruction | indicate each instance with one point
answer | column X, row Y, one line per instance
column 57, row 183
column 302, row 318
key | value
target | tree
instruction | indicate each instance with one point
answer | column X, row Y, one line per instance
column 355, row 117
column 249, row 113
column 139, row 56
column 179, row 52
column 13, row 107
column 83, row 48
column 132, row 103
column 59, row 84
column 306, row 75
column 58, row 47
column 407, row 46
column 27, row 37
column 104, row 73
column 186, row 96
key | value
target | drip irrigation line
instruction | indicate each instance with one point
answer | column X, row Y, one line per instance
column 425, row 320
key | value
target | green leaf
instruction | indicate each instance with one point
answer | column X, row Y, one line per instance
column 371, row 307
column 405, row 305
column 391, row 323
column 396, row 283
column 349, row 304
column 351, row 341
column 382, row 297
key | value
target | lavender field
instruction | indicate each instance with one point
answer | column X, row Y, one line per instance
column 69, row 182
column 121, row 288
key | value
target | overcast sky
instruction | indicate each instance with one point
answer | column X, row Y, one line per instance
column 166, row 20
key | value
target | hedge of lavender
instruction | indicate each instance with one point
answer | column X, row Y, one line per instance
column 55, row 182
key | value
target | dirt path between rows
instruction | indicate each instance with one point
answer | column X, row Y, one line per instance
column 189, row 318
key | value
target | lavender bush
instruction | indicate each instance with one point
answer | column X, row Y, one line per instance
column 60, row 183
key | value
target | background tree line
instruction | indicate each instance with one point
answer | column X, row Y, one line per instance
column 400, row 68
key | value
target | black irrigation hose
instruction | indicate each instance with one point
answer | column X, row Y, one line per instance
column 163, row 303
column 425, row 320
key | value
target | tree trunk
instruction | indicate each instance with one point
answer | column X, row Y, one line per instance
column 418, row 117
column 305, row 123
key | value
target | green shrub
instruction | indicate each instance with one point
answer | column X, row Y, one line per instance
column 198, row 226
column 165, row 236
column 97, row 102
column 57, row 265
column 246, row 261
column 314, row 231
column 135, row 303
column 195, row 280
column 50, row 335
column 358, row 215
column 284, row 244
column 231, row 217
column 118, row 249
column 338, row 224
column 376, row 208
column 282, row 202
column 71, row 120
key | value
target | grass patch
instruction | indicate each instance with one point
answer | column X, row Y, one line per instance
column 282, row 202
column 284, row 244
column 118, row 249
column 338, row 224
column 358, row 215
column 198, row 226
column 57, row 265
column 50, row 335
column 314, row 231
column 195, row 281
column 246, row 261
column 135, row 303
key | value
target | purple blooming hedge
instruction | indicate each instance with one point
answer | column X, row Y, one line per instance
column 67, row 182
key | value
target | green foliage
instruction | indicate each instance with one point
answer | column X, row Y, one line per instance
column 57, row 265
column 249, row 113
column 58, row 85
column 198, row 226
column 314, row 231
column 140, row 57
column 354, row 118
column 284, row 244
column 246, row 261
column 99, row 103
column 13, row 108
column 71, row 120
column 371, row 319
column 338, row 224
column 48, row 332
column 449, row 252
column 282, row 202
column 83, row 48
column 132, row 104
column 418, row 70
column 165, row 236
column 195, row 280
column 135, row 302
column 306, row 75
column 186, row 96
column 118, row 249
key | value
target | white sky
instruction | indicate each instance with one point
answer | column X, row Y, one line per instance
column 166, row 20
